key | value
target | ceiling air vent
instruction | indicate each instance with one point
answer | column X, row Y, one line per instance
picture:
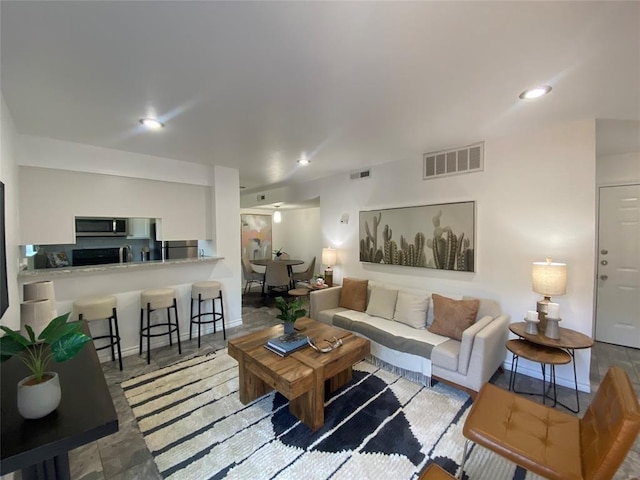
column 362, row 174
column 453, row 162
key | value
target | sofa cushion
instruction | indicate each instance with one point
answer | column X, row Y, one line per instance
column 394, row 335
column 411, row 309
column 382, row 302
column 451, row 317
column 353, row 294
column 446, row 355
column 487, row 307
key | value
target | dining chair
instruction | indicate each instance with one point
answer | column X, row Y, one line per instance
column 277, row 276
column 250, row 275
column 306, row 275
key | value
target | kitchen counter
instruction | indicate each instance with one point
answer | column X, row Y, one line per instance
column 113, row 267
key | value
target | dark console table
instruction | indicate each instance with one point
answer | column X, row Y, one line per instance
column 86, row 413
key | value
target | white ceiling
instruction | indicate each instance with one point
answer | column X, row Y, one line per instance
column 252, row 85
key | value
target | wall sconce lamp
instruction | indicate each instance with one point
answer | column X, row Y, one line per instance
column 277, row 218
column 548, row 279
column 329, row 258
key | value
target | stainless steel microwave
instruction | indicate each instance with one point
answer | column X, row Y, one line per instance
column 101, row 227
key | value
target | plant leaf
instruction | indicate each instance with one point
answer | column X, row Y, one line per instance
column 50, row 333
column 30, row 332
column 68, row 346
column 10, row 347
column 16, row 336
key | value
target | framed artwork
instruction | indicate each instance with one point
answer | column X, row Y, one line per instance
column 256, row 231
column 438, row 236
column 4, row 290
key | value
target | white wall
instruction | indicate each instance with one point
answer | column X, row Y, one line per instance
column 299, row 234
column 535, row 199
column 618, row 169
column 226, row 208
column 50, row 153
column 9, row 176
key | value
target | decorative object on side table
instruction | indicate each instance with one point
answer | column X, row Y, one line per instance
column 277, row 253
column 39, row 394
column 289, row 313
column 548, row 278
column 532, row 322
column 553, row 318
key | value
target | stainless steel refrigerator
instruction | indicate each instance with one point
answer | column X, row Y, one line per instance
column 180, row 249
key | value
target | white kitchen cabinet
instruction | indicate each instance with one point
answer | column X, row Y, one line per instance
column 139, row 228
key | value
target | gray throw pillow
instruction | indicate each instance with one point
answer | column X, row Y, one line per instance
column 382, row 302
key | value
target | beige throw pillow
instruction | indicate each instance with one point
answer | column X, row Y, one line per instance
column 452, row 317
column 354, row 294
column 382, row 302
column 411, row 310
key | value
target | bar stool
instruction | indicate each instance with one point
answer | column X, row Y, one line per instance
column 101, row 308
column 150, row 301
column 202, row 292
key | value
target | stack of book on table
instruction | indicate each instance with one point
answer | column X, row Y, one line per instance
column 283, row 346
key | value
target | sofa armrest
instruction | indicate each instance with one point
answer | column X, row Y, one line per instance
column 466, row 344
column 325, row 299
column 488, row 351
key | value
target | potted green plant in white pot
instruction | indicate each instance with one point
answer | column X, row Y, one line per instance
column 289, row 313
column 39, row 394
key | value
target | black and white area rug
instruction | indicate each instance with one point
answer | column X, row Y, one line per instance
column 379, row 426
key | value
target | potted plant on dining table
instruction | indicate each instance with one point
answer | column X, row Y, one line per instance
column 39, row 394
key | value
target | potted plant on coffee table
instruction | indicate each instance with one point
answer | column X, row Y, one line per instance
column 289, row 313
column 39, row 394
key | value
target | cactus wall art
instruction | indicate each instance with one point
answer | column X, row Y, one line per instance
column 429, row 236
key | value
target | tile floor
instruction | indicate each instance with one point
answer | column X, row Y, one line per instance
column 124, row 455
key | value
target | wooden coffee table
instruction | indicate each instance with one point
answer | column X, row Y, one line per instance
column 305, row 376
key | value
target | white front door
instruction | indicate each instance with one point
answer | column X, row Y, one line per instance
column 618, row 299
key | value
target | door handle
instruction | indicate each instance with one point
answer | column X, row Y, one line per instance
column 604, row 277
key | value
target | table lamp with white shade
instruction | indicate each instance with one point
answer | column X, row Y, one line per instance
column 549, row 279
column 329, row 258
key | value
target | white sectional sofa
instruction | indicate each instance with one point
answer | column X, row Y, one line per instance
column 400, row 340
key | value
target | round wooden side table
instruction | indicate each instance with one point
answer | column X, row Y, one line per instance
column 540, row 354
column 299, row 292
column 569, row 341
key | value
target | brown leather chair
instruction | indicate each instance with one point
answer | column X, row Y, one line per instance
column 555, row 444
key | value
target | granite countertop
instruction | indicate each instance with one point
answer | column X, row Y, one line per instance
column 114, row 267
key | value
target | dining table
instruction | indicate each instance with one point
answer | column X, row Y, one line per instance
column 263, row 262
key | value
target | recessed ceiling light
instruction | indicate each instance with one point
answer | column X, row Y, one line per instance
column 151, row 123
column 535, row 92
column 304, row 160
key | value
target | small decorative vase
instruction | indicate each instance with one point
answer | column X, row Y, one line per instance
column 288, row 328
column 40, row 399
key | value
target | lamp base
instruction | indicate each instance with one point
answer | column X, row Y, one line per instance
column 328, row 278
column 541, row 308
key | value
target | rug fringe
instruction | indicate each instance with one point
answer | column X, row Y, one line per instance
column 415, row 377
